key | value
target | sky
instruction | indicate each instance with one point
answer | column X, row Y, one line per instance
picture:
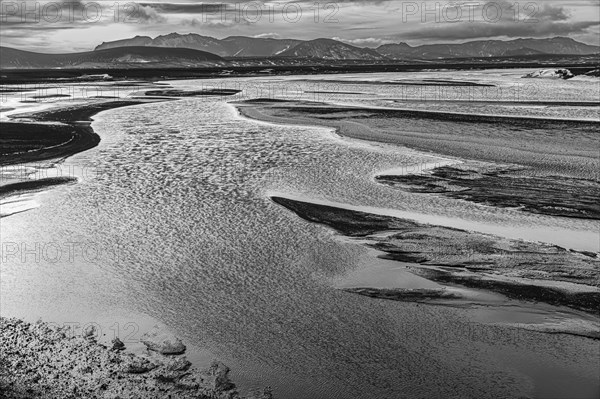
column 80, row 25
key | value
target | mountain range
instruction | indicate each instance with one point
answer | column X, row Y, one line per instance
column 232, row 46
column 241, row 46
column 488, row 48
column 330, row 49
column 192, row 50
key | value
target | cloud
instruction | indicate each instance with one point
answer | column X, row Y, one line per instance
column 363, row 42
column 551, row 13
column 477, row 30
column 358, row 22
column 188, row 8
column 215, row 23
column 146, row 15
column 267, row 36
column 501, row 18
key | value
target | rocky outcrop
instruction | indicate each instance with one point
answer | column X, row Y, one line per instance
column 162, row 342
column 41, row 361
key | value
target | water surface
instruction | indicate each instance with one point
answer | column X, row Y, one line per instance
column 171, row 223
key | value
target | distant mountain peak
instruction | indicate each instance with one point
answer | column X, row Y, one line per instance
column 325, row 48
column 490, row 48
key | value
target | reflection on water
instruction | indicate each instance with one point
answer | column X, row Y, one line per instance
column 179, row 195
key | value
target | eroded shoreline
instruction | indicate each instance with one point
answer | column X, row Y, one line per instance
column 41, row 360
column 467, row 258
column 52, row 135
column 569, row 150
column 29, row 139
column 519, row 270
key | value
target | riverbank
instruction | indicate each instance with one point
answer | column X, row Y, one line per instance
column 569, row 147
column 49, row 136
column 182, row 194
column 527, row 271
column 52, row 134
column 284, row 66
column 43, row 361
column 452, row 257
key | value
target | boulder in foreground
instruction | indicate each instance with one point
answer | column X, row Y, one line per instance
column 163, row 342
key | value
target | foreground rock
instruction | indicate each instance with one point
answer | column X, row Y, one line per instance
column 162, row 342
column 40, row 361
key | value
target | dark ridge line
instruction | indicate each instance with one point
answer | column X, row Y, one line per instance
column 547, row 195
column 20, row 140
column 585, row 301
column 441, row 116
column 476, row 101
column 192, row 93
column 75, row 114
column 431, row 297
column 425, row 82
column 420, row 295
column 359, row 224
column 26, row 142
column 33, row 185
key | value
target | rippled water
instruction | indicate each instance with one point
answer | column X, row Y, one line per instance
column 174, row 204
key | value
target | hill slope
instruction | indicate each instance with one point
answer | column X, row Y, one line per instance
column 121, row 57
column 330, row 49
